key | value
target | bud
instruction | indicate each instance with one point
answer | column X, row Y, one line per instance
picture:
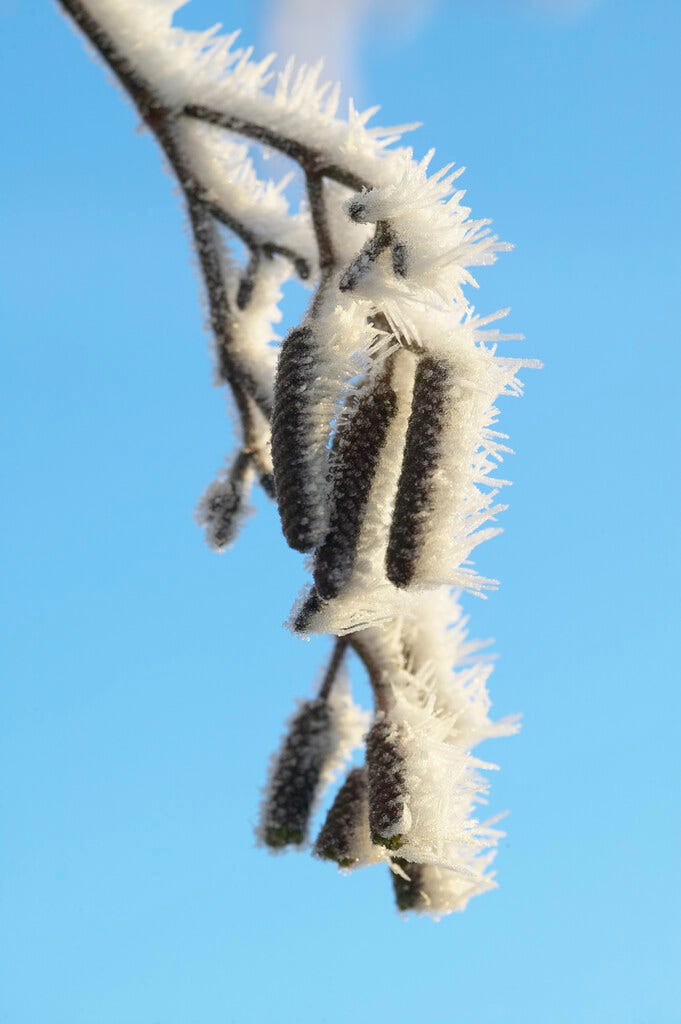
column 398, row 253
column 304, row 614
column 220, row 509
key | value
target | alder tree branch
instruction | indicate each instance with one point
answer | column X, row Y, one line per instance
column 374, row 438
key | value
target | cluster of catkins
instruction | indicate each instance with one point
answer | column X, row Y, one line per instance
column 372, row 425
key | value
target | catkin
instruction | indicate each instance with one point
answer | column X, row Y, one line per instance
column 408, row 885
column 358, row 444
column 387, row 789
column 295, row 776
column 298, row 489
column 340, row 838
column 422, row 450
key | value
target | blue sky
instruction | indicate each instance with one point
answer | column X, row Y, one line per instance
column 146, row 679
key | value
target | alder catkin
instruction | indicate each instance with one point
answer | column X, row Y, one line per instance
column 340, row 836
column 386, row 780
column 422, row 450
column 408, row 885
column 297, row 489
column 358, row 444
column 296, row 775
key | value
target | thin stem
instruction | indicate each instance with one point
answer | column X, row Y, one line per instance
column 359, row 643
column 312, row 161
column 320, row 222
column 335, row 662
column 267, row 246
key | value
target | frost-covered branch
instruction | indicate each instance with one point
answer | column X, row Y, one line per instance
column 372, row 426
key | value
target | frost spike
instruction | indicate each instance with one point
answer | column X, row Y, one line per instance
column 340, row 838
column 358, row 444
column 295, row 777
column 429, row 410
column 297, row 490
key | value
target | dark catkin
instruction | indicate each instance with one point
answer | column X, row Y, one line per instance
column 408, row 891
column 386, row 783
column 358, row 444
column 297, row 492
column 422, row 451
column 337, row 839
column 295, row 776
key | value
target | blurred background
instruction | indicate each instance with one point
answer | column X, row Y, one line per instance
column 146, row 679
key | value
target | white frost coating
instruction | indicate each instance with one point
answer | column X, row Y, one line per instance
column 349, row 725
column 443, row 891
column 398, row 247
column 204, row 68
column 441, row 711
column 344, row 344
column 443, row 785
column 461, row 501
column 443, row 662
column 426, row 216
column 348, row 236
column 369, row 597
column 432, row 241
column 227, row 176
column 251, row 329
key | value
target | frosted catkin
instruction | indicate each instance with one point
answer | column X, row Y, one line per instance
column 298, row 489
column 296, row 775
column 358, row 444
column 409, row 525
column 392, row 509
column 407, row 882
column 387, row 792
column 344, row 834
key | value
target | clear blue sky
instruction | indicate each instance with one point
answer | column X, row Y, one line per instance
column 146, row 679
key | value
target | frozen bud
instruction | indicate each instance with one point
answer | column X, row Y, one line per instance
column 352, row 275
column 398, row 253
column 221, row 507
column 293, row 425
column 295, row 777
column 245, row 292
column 357, row 209
column 370, row 252
column 422, row 453
column 344, row 837
column 359, row 442
column 302, row 268
column 303, row 617
column 389, row 816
